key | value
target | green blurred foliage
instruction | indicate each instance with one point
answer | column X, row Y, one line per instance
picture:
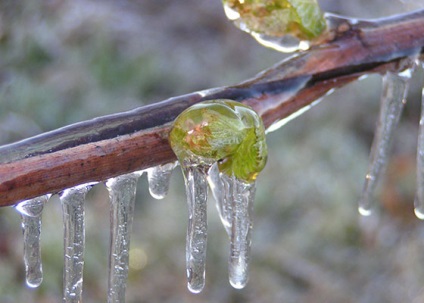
column 68, row 61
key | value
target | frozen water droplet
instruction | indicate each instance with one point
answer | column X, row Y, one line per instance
column 197, row 195
column 158, row 178
column 122, row 193
column 31, row 211
column 419, row 197
column 395, row 87
column 72, row 200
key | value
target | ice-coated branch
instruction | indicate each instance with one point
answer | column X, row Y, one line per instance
column 113, row 145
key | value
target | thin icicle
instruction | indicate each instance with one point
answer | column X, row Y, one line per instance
column 158, row 178
column 222, row 192
column 394, row 90
column 72, row 200
column 122, row 192
column 31, row 211
column 419, row 199
column 241, row 230
column 197, row 195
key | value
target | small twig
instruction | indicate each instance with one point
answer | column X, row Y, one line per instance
column 109, row 146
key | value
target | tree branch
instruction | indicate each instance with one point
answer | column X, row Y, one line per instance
column 109, row 146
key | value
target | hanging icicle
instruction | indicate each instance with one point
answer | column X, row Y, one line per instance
column 72, row 200
column 197, row 196
column 122, row 193
column 158, row 178
column 393, row 98
column 31, row 211
column 419, row 198
column 221, row 142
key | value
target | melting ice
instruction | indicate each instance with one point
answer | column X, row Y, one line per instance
column 394, row 90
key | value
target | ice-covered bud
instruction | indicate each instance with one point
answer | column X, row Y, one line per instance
column 223, row 131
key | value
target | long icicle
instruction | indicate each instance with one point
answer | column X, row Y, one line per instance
column 197, row 195
column 241, row 230
column 394, row 90
column 72, row 200
column 31, row 211
column 122, row 193
column 419, row 198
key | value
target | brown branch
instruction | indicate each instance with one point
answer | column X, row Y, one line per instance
column 112, row 145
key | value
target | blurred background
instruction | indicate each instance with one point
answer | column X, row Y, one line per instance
column 67, row 61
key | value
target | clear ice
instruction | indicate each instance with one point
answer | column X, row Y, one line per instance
column 234, row 199
column 197, row 195
column 158, row 178
column 419, row 198
column 122, row 193
column 394, row 90
column 72, row 201
column 31, row 211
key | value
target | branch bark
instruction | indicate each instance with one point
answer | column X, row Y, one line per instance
column 109, row 146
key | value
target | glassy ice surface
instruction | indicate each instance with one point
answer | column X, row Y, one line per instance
column 221, row 188
column 243, row 195
column 197, row 195
column 394, row 90
column 122, row 193
column 419, row 199
column 31, row 211
column 234, row 199
column 72, row 201
column 286, row 43
column 158, row 178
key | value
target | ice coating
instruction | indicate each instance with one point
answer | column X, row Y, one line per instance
column 394, row 90
column 31, row 211
column 285, row 25
column 158, row 178
column 122, row 193
column 72, row 201
column 220, row 142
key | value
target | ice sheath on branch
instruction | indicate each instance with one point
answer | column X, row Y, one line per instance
column 118, row 144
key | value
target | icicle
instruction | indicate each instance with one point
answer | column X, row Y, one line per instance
column 222, row 192
column 72, row 200
column 31, row 211
column 158, row 178
column 241, row 226
column 419, row 199
column 394, row 90
column 234, row 199
column 197, row 195
column 122, row 192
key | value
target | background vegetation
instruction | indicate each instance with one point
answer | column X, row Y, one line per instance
column 68, row 61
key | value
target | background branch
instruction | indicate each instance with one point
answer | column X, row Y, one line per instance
column 117, row 144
